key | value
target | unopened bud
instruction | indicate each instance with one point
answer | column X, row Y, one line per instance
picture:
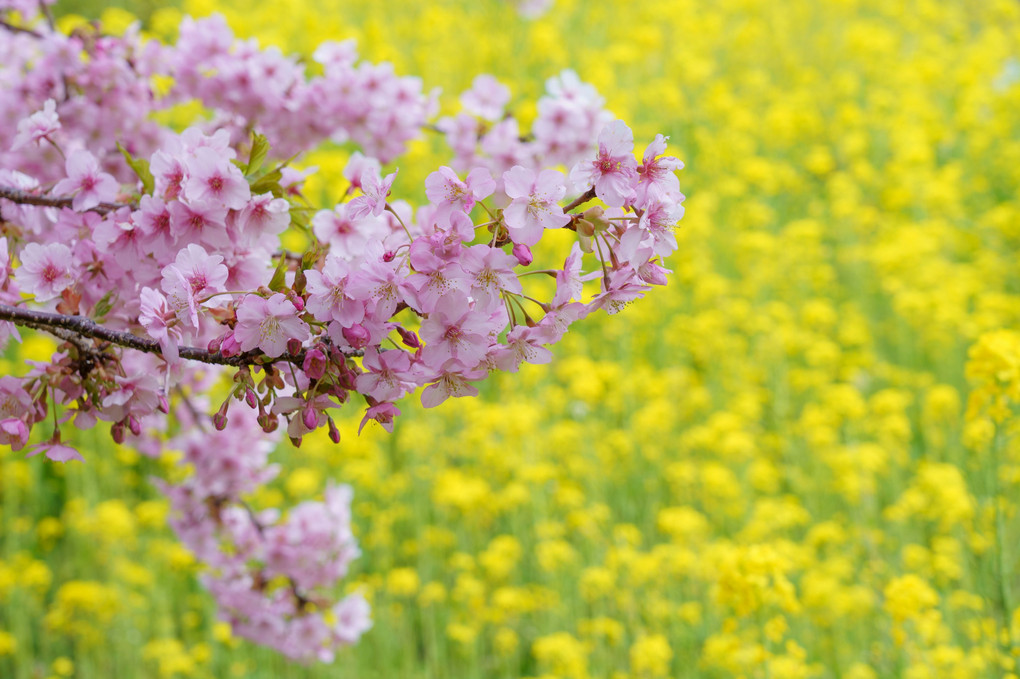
column 523, row 254
column 214, row 345
column 296, row 440
column 585, row 228
column 117, row 432
column 408, row 338
column 251, row 399
column 134, row 425
column 334, row 433
column 230, row 346
column 310, row 418
column 357, row 335
column 164, row 405
column 220, row 421
column 296, row 300
column 314, row 364
column 294, row 346
column 596, row 216
column 388, row 256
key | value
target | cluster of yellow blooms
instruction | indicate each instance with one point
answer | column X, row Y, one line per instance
column 801, row 459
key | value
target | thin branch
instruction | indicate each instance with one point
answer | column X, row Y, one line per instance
column 580, row 200
column 65, row 327
column 25, row 198
column 19, row 29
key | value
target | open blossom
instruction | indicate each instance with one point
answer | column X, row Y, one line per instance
column 157, row 317
column 658, row 171
column 46, row 270
column 613, row 173
column 268, row 324
column 37, row 126
column 448, row 193
column 214, row 179
column 204, row 273
column 56, row 451
column 89, row 185
column 487, row 98
column 534, row 203
column 375, row 189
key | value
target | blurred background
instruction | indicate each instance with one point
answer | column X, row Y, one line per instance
column 800, row 459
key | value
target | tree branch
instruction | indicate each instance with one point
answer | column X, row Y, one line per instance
column 19, row 29
column 580, row 200
column 25, row 198
column 70, row 327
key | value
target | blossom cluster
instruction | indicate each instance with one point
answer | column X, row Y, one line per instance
column 154, row 255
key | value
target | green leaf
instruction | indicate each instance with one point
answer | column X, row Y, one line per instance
column 103, row 307
column 268, row 182
column 141, row 168
column 259, row 151
column 279, row 276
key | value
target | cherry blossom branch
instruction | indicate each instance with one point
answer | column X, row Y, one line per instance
column 65, row 327
column 25, row 198
column 19, row 29
column 580, row 200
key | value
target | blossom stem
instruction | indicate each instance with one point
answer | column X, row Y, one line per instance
column 580, row 200
column 74, row 328
column 389, row 208
column 25, row 198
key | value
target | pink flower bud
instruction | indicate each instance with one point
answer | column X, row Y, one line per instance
column 251, row 399
column 294, row 346
column 523, row 254
column 357, row 335
column 310, row 418
column 409, row 338
column 214, row 345
column 230, row 346
column 388, row 256
column 164, row 405
column 219, row 421
column 334, row 433
column 117, row 432
column 297, row 300
column 296, row 440
column 314, row 364
column 134, row 425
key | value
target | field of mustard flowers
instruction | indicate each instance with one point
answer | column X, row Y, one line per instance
column 801, row 459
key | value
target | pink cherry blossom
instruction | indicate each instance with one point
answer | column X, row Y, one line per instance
column 534, row 203
column 448, row 193
column 486, row 98
column 614, row 171
column 89, row 185
column 37, row 126
column 46, row 270
column 268, row 324
column 214, row 179
column 659, row 171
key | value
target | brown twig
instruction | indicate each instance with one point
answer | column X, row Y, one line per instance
column 25, row 198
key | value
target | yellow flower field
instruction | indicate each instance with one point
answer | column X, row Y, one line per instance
column 801, row 459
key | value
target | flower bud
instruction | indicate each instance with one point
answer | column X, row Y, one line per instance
column 596, row 217
column 357, row 335
column 408, row 338
column 164, row 405
column 117, row 432
column 296, row 440
column 388, row 256
column 334, row 433
column 310, row 418
column 294, row 346
column 251, row 399
column 220, row 421
column 585, row 228
column 230, row 346
column 314, row 364
column 214, row 345
column 523, row 254
column 134, row 425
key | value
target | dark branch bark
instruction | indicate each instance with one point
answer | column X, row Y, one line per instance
column 70, row 328
column 580, row 200
column 19, row 29
column 25, row 198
